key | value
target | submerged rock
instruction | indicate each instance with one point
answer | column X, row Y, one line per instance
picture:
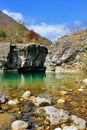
column 57, row 129
column 52, row 114
column 38, row 101
column 12, row 102
column 78, row 122
column 3, row 98
column 19, row 125
column 60, row 101
column 70, row 128
column 26, row 95
column 85, row 81
column 6, row 120
column 63, row 92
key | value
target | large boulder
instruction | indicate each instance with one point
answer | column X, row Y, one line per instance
column 58, row 56
column 29, row 57
column 65, row 58
column 51, row 114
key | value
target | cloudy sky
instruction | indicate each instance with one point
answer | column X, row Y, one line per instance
column 49, row 18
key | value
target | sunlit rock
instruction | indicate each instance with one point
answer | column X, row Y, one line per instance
column 57, row 129
column 12, row 102
column 85, row 81
column 78, row 122
column 38, row 101
column 60, row 101
column 26, row 95
column 19, row 125
column 63, row 92
column 80, row 89
column 70, row 128
column 52, row 114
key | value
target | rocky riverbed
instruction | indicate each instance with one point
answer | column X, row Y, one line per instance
column 35, row 112
column 65, row 109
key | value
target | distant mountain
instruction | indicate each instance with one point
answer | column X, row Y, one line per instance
column 10, row 30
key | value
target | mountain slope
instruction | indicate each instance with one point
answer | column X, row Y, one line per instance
column 69, row 54
column 17, row 32
column 75, row 38
column 12, row 28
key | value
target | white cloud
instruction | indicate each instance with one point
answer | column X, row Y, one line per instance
column 51, row 32
column 15, row 15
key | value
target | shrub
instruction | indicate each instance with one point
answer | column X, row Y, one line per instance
column 2, row 34
column 32, row 36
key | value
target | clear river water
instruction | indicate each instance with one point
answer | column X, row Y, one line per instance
column 48, row 85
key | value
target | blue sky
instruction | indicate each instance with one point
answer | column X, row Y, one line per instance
column 50, row 18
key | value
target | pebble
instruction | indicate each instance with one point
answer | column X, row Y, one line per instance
column 19, row 125
column 26, row 95
column 79, row 122
column 57, row 129
column 80, row 89
column 11, row 102
column 37, row 101
column 63, row 92
column 70, row 128
column 85, row 81
column 60, row 101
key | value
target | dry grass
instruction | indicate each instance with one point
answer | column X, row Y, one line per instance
column 17, row 33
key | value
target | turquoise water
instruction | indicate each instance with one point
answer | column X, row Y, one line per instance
column 38, row 83
column 50, row 85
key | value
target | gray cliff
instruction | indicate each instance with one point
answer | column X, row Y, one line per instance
column 64, row 58
column 30, row 57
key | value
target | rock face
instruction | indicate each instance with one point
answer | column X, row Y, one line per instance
column 61, row 56
column 13, row 60
column 28, row 58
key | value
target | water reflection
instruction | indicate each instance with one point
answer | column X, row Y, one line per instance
column 56, row 82
column 50, row 80
column 16, row 79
